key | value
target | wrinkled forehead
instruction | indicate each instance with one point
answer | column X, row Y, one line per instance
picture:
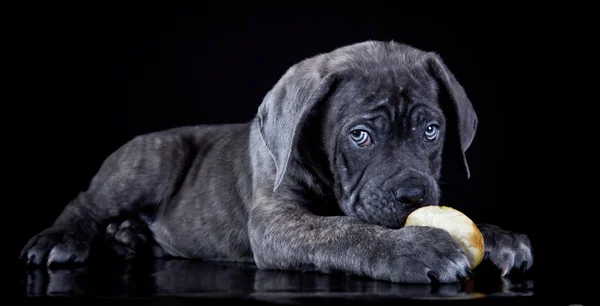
column 395, row 89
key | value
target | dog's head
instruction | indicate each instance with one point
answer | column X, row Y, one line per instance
column 386, row 112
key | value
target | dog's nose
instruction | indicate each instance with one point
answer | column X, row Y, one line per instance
column 411, row 194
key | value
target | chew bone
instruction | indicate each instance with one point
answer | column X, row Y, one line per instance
column 460, row 227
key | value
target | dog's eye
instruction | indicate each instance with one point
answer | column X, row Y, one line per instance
column 431, row 132
column 361, row 137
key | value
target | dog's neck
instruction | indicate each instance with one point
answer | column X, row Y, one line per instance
column 311, row 179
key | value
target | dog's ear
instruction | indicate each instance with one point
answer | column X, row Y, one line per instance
column 287, row 104
column 462, row 109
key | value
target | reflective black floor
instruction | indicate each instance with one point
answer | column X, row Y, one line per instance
column 172, row 282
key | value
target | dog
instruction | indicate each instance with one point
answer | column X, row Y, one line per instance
column 342, row 149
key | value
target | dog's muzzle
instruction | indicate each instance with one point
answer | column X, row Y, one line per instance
column 389, row 201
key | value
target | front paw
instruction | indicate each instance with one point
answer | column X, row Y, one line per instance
column 506, row 250
column 423, row 255
column 54, row 246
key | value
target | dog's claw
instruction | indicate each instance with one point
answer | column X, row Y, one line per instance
column 524, row 267
column 433, row 276
column 470, row 274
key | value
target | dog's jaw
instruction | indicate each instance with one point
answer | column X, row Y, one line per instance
column 374, row 201
column 375, row 205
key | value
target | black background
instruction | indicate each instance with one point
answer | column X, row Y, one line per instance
column 90, row 78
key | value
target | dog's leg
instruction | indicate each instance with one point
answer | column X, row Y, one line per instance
column 283, row 236
column 505, row 249
column 137, row 177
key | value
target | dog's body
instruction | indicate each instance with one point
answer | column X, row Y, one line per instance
column 342, row 149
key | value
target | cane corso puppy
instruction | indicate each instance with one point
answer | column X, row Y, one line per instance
column 343, row 147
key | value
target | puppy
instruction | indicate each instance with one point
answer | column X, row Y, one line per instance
column 342, row 148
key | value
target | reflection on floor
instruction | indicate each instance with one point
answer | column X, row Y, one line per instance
column 197, row 279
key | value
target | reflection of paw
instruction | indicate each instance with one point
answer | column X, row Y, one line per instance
column 507, row 250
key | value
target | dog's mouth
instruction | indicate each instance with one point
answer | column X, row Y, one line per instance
column 403, row 216
column 377, row 210
column 388, row 201
column 373, row 207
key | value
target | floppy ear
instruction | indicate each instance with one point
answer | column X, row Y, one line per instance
column 286, row 106
column 466, row 118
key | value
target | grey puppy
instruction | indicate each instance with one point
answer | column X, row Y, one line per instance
column 342, row 149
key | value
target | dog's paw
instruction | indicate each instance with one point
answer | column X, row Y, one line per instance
column 54, row 247
column 426, row 255
column 130, row 239
column 506, row 250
